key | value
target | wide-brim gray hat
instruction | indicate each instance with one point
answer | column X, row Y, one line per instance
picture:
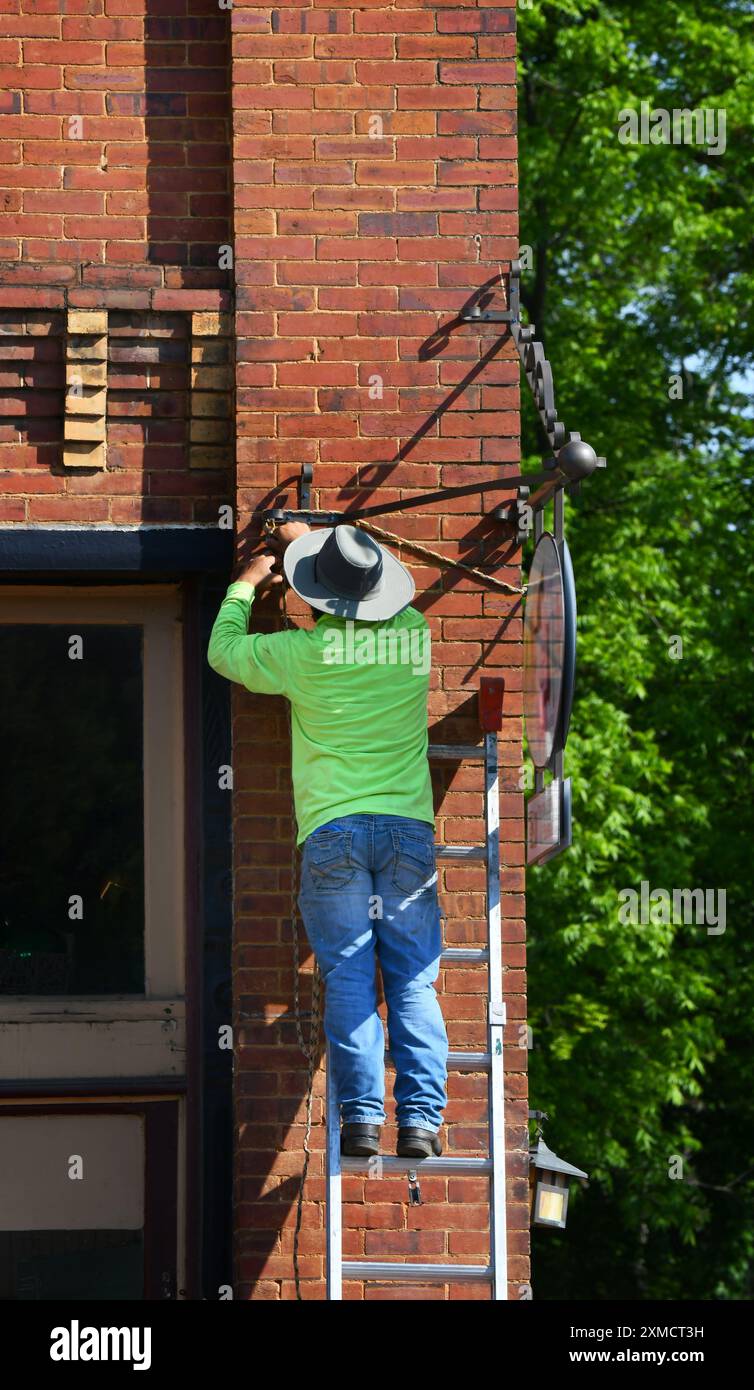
column 341, row 570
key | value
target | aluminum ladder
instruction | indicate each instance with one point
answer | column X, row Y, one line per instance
column 492, row 1061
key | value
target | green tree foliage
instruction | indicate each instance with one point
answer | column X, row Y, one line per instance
column 644, row 272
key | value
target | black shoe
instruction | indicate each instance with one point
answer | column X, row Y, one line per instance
column 359, row 1140
column 418, row 1143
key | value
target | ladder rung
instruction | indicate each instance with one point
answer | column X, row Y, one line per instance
column 469, row 1061
column 439, row 1167
column 462, row 852
column 455, row 751
column 417, row 1274
column 456, row 955
column 462, row 1061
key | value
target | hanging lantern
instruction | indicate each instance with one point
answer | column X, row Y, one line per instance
column 549, row 1177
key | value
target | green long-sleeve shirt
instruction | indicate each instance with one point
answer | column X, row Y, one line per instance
column 358, row 695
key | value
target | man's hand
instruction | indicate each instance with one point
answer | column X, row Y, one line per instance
column 289, row 531
column 259, row 569
column 261, row 573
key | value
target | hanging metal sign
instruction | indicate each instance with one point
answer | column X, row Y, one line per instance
column 548, row 821
column 549, row 650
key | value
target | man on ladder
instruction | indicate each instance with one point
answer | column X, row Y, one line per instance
column 357, row 685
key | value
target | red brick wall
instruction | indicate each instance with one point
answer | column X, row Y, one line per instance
column 374, row 192
column 114, row 131
column 374, row 184
column 114, row 194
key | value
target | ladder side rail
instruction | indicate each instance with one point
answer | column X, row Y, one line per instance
column 334, row 1208
column 496, row 1020
column 492, row 829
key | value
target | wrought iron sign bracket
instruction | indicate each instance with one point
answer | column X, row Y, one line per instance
column 305, row 487
column 517, row 513
column 573, row 457
column 551, row 476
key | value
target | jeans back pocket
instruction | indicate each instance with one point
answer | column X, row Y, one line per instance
column 328, row 859
column 414, row 863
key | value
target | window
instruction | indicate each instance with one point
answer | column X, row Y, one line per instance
column 72, row 1206
column 90, row 1194
column 91, row 850
column 72, row 785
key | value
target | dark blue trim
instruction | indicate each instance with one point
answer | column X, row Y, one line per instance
column 114, row 1086
column 157, row 549
column 216, row 916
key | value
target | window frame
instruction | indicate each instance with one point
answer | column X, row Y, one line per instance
column 158, row 610
column 164, row 1190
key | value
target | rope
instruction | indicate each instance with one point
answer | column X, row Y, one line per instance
column 418, row 549
column 310, row 1046
column 442, row 560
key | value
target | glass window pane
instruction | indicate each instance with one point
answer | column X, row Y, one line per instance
column 71, row 788
column 71, row 1265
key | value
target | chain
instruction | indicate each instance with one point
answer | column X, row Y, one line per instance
column 310, row 1046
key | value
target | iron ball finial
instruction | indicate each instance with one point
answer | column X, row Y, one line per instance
column 577, row 459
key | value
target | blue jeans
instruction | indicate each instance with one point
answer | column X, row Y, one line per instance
column 369, row 890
